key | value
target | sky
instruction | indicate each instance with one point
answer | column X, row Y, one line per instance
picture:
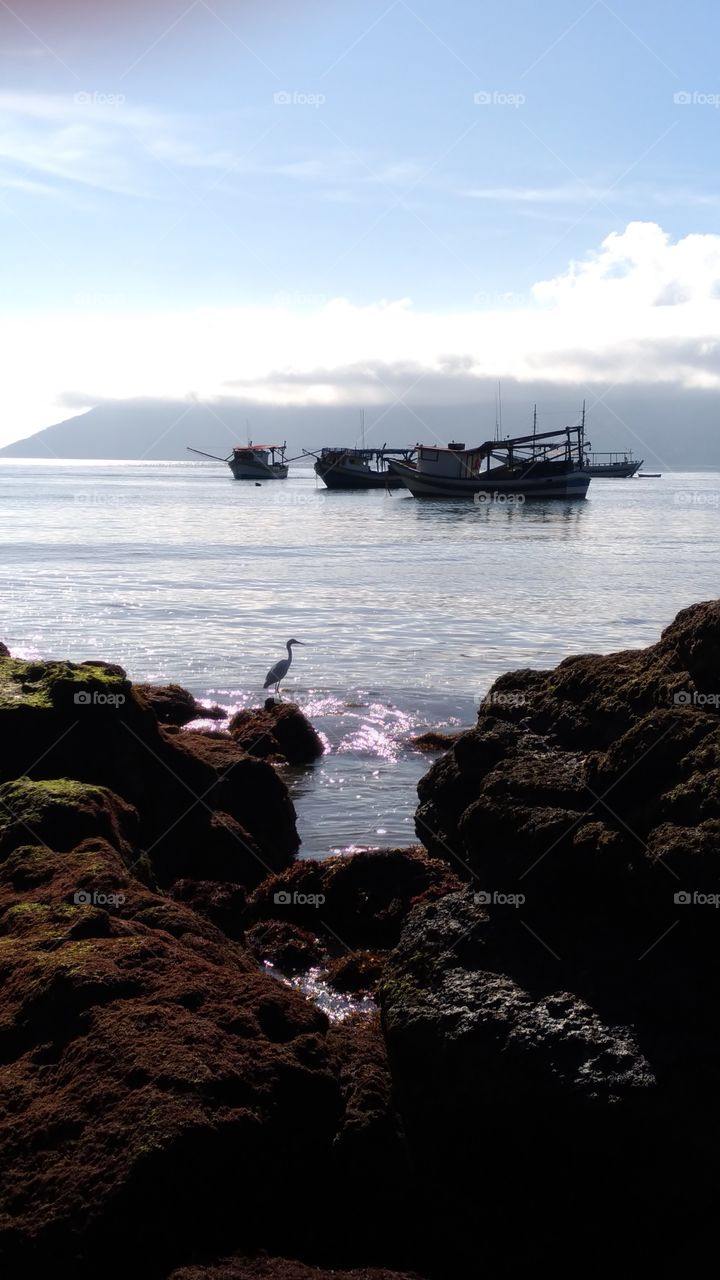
column 320, row 203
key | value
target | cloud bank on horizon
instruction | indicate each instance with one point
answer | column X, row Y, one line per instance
column 641, row 308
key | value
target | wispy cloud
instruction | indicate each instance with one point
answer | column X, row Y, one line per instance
column 565, row 193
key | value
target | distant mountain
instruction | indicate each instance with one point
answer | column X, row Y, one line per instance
column 669, row 427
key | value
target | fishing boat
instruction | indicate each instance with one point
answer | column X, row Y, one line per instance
column 341, row 468
column 253, row 461
column 612, row 466
column 547, row 464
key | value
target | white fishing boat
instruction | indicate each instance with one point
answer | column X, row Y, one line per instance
column 619, row 465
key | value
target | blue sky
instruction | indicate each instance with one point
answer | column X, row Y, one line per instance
column 148, row 167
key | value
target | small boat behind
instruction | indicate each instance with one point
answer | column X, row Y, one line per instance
column 341, row 468
column 546, row 464
column 253, row 461
column 612, row 466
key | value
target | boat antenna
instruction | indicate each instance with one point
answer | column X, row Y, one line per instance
column 247, row 431
column 362, row 427
column 534, row 420
column 499, row 410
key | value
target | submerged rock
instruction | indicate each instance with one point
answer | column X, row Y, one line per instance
column 278, row 731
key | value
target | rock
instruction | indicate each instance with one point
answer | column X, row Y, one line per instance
column 356, row 971
column 151, row 1079
column 279, row 731
column 547, row 1065
column 264, row 1268
column 174, row 705
column 434, row 741
column 360, row 900
column 598, row 756
column 206, row 809
column 223, row 904
column 285, row 945
column 564, row 1006
column 4, row 651
column 64, row 813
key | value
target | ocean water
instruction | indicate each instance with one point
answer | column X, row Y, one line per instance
column 409, row 609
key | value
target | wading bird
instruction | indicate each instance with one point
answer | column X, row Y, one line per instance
column 281, row 668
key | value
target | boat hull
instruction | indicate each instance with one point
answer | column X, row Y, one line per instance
column 256, row 470
column 563, row 484
column 614, row 470
column 336, row 476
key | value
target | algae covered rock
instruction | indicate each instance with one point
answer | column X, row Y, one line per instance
column 205, row 808
column 62, row 813
column 278, row 731
column 172, row 704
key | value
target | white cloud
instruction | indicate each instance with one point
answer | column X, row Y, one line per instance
column 641, row 308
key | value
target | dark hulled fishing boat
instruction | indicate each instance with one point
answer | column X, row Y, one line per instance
column 253, row 461
column 341, row 468
column 547, row 464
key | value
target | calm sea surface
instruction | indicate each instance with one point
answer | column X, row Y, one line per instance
column 409, row 609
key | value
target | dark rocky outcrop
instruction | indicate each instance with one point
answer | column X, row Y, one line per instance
column 433, row 741
column 279, row 731
column 356, row 971
column 360, row 901
column 561, row 1010
column 172, row 704
column 206, row 809
column 264, row 1268
column 285, row 945
column 153, row 1083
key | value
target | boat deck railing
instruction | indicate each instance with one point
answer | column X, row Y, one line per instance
column 610, row 459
